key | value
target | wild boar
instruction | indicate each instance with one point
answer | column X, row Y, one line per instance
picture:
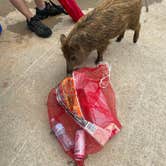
column 93, row 31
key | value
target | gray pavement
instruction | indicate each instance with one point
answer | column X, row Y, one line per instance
column 31, row 66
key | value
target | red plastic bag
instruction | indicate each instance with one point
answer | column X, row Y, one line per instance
column 96, row 97
column 97, row 101
column 72, row 9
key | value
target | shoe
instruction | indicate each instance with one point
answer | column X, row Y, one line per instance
column 51, row 9
column 36, row 26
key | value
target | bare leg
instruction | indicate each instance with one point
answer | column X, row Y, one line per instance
column 40, row 4
column 136, row 33
column 120, row 37
column 100, row 52
column 23, row 8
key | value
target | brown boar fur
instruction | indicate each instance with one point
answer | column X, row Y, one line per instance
column 93, row 31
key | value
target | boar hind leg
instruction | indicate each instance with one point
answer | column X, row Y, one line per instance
column 120, row 37
column 136, row 33
column 100, row 52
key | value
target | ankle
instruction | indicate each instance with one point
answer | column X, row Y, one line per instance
column 29, row 17
column 42, row 6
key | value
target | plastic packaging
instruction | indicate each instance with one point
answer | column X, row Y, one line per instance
column 72, row 9
column 97, row 102
column 67, row 98
column 62, row 137
column 96, row 97
column 79, row 148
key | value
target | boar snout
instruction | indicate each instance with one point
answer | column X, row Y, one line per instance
column 69, row 69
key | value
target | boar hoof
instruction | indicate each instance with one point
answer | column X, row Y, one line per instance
column 135, row 40
column 118, row 39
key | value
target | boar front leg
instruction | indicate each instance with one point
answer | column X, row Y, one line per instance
column 120, row 37
column 100, row 52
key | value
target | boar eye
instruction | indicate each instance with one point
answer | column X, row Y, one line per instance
column 73, row 58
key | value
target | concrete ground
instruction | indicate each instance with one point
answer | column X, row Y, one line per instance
column 31, row 66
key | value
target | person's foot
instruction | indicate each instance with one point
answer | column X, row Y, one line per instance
column 36, row 26
column 50, row 9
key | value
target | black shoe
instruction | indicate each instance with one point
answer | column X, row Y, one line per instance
column 51, row 9
column 36, row 26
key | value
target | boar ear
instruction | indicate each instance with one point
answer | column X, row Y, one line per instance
column 63, row 39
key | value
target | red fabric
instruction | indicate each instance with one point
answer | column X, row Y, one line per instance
column 72, row 9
